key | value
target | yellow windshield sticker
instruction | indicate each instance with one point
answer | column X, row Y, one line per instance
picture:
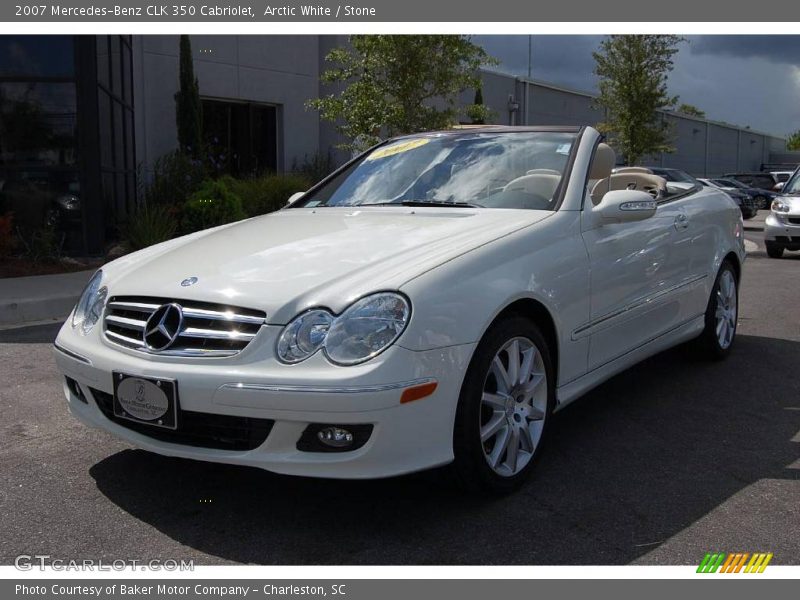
column 397, row 148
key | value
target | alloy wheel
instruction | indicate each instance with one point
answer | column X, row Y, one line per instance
column 726, row 312
column 513, row 406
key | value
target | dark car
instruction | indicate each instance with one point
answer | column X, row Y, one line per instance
column 761, row 180
column 745, row 201
column 763, row 198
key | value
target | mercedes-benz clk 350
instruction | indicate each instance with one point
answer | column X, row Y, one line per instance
column 430, row 303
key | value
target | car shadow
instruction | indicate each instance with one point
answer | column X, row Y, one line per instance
column 629, row 465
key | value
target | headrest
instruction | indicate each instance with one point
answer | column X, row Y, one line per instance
column 604, row 160
column 633, row 170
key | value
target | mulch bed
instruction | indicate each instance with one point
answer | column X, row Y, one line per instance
column 24, row 267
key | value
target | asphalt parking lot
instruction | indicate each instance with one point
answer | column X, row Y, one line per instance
column 663, row 463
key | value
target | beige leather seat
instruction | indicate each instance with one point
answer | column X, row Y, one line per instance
column 541, row 184
column 543, row 172
column 633, row 170
column 653, row 184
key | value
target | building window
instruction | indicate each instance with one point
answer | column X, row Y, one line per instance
column 39, row 180
column 115, row 120
column 242, row 137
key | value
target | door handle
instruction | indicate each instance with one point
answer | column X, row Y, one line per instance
column 681, row 221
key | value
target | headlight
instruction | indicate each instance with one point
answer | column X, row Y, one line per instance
column 304, row 336
column 90, row 306
column 362, row 331
column 780, row 205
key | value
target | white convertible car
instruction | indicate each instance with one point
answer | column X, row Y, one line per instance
column 432, row 302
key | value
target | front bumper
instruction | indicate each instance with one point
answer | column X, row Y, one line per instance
column 783, row 229
column 404, row 437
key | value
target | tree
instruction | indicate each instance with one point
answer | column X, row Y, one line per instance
column 188, row 110
column 477, row 112
column 793, row 142
column 633, row 73
column 691, row 110
column 395, row 84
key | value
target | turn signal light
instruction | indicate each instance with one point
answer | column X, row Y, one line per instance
column 418, row 392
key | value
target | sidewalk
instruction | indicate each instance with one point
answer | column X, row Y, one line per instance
column 27, row 300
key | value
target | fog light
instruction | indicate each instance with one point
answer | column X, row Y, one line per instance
column 335, row 437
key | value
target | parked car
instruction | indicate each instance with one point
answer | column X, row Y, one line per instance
column 762, row 198
column 769, row 181
column 782, row 225
column 744, row 201
column 432, row 302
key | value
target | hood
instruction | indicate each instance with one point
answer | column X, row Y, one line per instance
column 295, row 259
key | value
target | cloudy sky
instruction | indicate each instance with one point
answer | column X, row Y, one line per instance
column 746, row 80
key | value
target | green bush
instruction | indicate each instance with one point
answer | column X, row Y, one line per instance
column 213, row 204
column 41, row 245
column 316, row 168
column 267, row 193
column 150, row 224
column 176, row 176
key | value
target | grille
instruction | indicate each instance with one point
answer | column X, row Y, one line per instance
column 794, row 220
column 207, row 330
column 203, row 430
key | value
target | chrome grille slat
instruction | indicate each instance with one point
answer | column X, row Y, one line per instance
column 126, row 322
column 133, row 342
column 138, row 306
column 194, row 332
column 208, row 330
column 199, row 313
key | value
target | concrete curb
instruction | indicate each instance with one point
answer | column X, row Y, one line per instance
column 27, row 300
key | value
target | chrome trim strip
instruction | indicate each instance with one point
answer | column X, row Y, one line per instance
column 359, row 389
column 189, row 352
column 591, row 326
column 72, row 354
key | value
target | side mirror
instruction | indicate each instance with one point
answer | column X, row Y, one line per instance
column 778, row 186
column 294, row 198
column 624, row 206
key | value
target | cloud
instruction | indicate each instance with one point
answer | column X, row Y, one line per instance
column 745, row 80
column 781, row 49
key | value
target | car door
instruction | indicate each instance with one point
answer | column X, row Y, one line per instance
column 635, row 273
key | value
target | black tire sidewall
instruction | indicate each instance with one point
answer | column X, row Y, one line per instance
column 470, row 466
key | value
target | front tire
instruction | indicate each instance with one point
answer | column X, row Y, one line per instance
column 504, row 408
column 774, row 250
column 722, row 314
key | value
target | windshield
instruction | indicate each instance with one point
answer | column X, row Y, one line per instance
column 493, row 170
column 730, row 183
column 675, row 175
column 793, row 185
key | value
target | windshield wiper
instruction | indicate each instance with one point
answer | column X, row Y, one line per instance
column 436, row 203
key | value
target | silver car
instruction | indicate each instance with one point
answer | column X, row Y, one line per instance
column 782, row 226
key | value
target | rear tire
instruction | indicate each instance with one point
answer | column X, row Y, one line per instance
column 774, row 250
column 722, row 315
column 504, row 408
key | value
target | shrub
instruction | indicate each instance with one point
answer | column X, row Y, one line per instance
column 267, row 193
column 150, row 224
column 213, row 204
column 6, row 234
column 176, row 176
column 316, row 168
column 41, row 245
